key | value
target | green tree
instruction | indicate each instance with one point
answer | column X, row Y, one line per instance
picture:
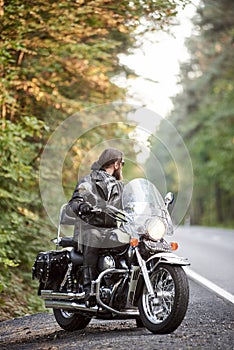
column 204, row 112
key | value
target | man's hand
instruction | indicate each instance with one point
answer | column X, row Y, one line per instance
column 85, row 209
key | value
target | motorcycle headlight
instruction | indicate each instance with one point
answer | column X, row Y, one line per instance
column 156, row 229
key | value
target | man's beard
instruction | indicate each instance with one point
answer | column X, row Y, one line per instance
column 118, row 174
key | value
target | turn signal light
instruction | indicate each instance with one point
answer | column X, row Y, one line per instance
column 174, row 245
column 134, row 242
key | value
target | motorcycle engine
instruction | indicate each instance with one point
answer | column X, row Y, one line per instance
column 114, row 289
column 106, row 262
column 105, row 295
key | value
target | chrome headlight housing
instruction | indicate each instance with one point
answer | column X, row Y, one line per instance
column 156, row 229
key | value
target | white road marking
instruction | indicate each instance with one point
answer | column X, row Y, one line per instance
column 210, row 285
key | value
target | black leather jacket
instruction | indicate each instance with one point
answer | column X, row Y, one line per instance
column 98, row 189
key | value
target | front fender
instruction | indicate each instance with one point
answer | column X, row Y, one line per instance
column 168, row 258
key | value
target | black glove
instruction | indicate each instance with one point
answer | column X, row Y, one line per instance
column 85, row 209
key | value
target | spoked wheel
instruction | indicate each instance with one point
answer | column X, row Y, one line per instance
column 70, row 321
column 165, row 313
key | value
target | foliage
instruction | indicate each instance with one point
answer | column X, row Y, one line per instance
column 56, row 58
column 21, row 229
column 62, row 54
column 204, row 112
column 18, row 221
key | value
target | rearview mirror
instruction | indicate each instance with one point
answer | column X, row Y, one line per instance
column 169, row 198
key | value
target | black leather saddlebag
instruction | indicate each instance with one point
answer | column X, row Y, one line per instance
column 50, row 268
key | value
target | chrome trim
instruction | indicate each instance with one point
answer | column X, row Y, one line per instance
column 145, row 274
column 49, row 294
column 71, row 305
column 134, row 279
column 127, row 312
column 168, row 258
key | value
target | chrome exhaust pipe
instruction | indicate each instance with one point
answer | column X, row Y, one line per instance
column 49, row 294
column 73, row 306
column 70, row 305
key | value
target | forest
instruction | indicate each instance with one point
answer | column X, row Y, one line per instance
column 203, row 115
column 59, row 58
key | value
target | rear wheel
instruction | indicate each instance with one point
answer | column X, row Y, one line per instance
column 171, row 287
column 71, row 321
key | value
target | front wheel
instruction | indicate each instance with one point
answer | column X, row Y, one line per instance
column 170, row 284
column 70, row 321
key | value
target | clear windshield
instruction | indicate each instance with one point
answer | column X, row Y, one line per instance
column 142, row 201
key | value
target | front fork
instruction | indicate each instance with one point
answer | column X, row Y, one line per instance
column 142, row 264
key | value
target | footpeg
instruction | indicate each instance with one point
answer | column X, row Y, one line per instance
column 90, row 300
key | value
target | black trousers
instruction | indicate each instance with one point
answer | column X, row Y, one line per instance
column 92, row 240
column 95, row 239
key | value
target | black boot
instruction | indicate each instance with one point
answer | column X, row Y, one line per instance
column 89, row 274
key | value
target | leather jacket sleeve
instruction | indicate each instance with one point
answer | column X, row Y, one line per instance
column 81, row 194
column 98, row 189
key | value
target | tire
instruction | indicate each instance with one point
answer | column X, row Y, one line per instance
column 171, row 285
column 70, row 321
column 139, row 323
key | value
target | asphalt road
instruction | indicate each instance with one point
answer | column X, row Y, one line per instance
column 208, row 325
column 210, row 251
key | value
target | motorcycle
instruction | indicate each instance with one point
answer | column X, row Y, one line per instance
column 142, row 279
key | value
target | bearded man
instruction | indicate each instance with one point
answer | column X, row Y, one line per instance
column 101, row 187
